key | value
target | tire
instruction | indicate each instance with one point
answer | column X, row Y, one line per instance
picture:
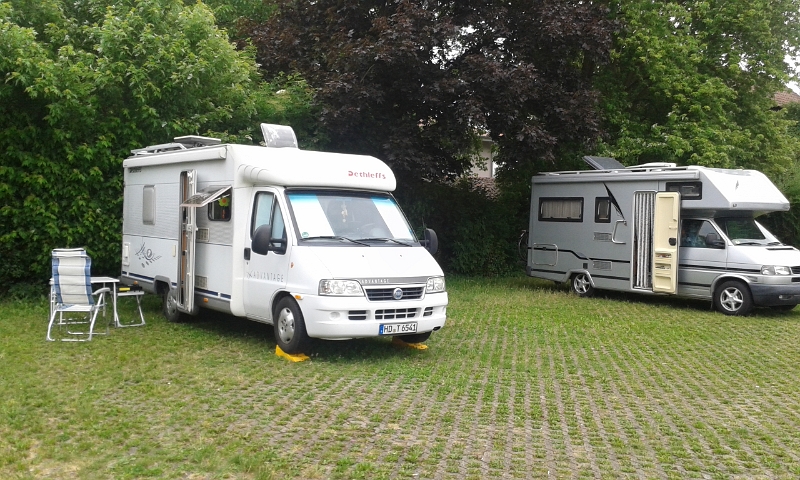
column 733, row 298
column 415, row 337
column 581, row 284
column 169, row 307
column 290, row 327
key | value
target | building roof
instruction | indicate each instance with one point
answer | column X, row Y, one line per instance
column 786, row 97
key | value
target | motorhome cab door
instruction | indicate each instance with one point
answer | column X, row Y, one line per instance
column 665, row 242
column 265, row 274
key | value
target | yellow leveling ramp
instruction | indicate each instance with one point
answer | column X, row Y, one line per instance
column 294, row 357
column 418, row 346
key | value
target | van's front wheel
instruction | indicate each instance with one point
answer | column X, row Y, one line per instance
column 290, row 328
column 733, row 298
column 582, row 285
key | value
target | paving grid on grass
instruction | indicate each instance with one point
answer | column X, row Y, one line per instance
column 524, row 381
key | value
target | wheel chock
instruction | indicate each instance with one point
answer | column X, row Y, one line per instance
column 416, row 346
column 293, row 357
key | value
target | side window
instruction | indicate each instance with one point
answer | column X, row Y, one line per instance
column 149, row 205
column 267, row 211
column 602, row 210
column 220, row 209
column 688, row 190
column 278, row 238
column 262, row 210
column 693, row 233
column 561, row 209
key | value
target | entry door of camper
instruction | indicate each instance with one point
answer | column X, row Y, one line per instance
column 265, row 274
column 185, row 293
column 665, row 242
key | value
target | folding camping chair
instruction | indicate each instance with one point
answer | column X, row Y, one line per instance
column 72, row 301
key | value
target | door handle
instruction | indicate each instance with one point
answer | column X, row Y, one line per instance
column 247, row 253
column 614, row 232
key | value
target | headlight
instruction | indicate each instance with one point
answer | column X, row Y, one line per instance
column 775, row 270
column 435, row 285
column 345, row 288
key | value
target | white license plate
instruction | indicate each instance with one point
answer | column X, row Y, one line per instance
column 396, row 328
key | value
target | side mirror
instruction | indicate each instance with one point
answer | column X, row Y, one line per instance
column 713, row 241
column 431, row 241
column 261, row 236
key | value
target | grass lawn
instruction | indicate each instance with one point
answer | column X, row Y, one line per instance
column 524, row 381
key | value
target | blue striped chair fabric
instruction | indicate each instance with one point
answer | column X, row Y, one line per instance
column 72, row 293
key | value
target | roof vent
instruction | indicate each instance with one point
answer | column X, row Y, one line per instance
column 194, row 141
column 180, row 143
column 278, row 136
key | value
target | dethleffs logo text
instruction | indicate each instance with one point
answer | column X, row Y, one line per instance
column 377, row 175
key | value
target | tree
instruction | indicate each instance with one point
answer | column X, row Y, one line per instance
column 692, row 82
column 414, row 82
column 85, row 82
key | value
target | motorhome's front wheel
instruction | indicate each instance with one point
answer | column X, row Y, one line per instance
column 733, row 298
column 582, row 285
column 290, row 328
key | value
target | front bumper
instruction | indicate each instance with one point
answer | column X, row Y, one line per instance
column 771, row 295
column 356, row 317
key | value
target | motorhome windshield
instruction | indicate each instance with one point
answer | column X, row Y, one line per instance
column 353, row 216
column 746, row 231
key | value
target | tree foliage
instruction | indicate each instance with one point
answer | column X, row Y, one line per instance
column 84, row 83
column 414, row 82
column 692, row 82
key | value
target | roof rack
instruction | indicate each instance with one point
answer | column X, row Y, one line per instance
column 648, row 167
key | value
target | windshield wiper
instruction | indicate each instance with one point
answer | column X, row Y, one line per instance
column 335, row 237
column 386, row 240
column 749, row 243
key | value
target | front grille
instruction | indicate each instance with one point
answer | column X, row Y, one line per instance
column 395, row 313
column 428, row 312
column 357, row 315
column 386, row 294
column 796, row 270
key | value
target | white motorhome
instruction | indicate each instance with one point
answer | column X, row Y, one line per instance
column 657, row 228
column 310, row 242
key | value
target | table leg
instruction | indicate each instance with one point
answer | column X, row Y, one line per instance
column 114, row 301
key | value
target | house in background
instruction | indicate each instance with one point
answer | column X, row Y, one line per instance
column 481, row 176
column 785, row 98
column 485, row 167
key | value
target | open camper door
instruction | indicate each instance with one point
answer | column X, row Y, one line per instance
column 188, row 229
column 665, row 242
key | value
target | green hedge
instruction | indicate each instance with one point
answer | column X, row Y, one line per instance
column 478, row 235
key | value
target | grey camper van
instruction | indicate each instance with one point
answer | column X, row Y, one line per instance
column 661, row 229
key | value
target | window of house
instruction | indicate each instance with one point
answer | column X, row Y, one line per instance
column 561, row 209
